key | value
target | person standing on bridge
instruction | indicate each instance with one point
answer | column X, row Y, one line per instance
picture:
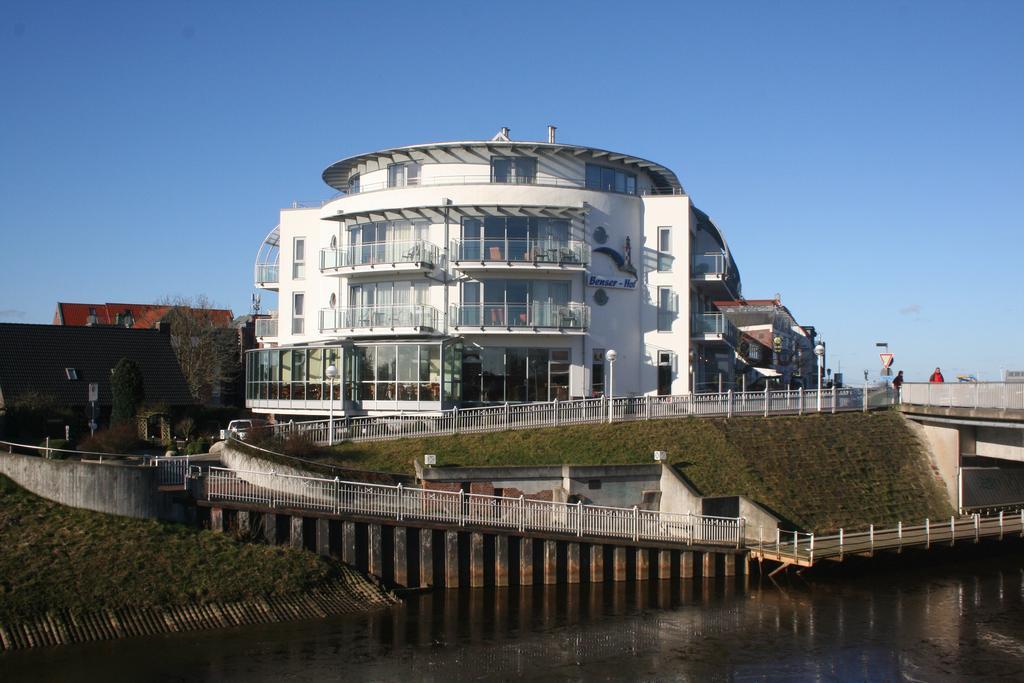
column 897, row 384
column 937, row 376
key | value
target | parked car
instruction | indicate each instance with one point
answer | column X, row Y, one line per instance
column 239, row 429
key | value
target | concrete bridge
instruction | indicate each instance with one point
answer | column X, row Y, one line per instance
column 976, row 434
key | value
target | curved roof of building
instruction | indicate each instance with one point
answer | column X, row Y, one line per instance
column 337, row 174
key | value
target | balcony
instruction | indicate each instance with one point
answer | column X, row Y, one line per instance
column 712, row 272
column 266, row 327
column 533, row 255
column 713, row 327
column 378, row 257
column 525, row 318
column 266, row 275
column 368, row 320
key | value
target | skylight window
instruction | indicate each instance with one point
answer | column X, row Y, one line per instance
column 71, row 373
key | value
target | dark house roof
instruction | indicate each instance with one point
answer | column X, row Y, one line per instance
column 37, row 358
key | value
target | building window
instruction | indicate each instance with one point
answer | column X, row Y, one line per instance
column 667, row 308
column 597, row 373
column 298, row 258
column 610, row 179
column 71, row 373
column 401, row 175
column 520, row 170
column 499, row 375
column 298, row 312
column 664, row 249
column 353, row 184
column 665, row 367
column 516, row 239
column 514, row 303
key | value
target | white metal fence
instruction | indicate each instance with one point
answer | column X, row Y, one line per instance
column 555, row 413
column 804, row 548
column 1000, row 395
column 171, row 470
column 461, row 509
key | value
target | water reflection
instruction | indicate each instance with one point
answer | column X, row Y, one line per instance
column 919, row 625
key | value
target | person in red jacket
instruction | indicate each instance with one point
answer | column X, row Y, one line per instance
column 937, row 376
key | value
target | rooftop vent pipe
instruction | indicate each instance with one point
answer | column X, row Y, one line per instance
column 505, row 132
column 551, row 134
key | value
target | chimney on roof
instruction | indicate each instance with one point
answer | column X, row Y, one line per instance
column 551, row 134
column 505, row 132
column 162, row 327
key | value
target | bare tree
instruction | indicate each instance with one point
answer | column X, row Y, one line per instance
column 207, row 351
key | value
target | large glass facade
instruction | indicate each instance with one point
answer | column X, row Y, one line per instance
column 514, row 375
column 511, row 302
column 398, row 372
column 515, row 238
column 292, row 374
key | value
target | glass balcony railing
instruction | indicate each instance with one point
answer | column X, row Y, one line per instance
column 380, row 253
column 573, row 316
column 266, row 327
column 704, row 324
column 370, row 317
column 708, row 264
column 266, row 273
column 565, row 253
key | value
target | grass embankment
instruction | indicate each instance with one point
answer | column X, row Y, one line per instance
column 819, row 472
column 54, row 557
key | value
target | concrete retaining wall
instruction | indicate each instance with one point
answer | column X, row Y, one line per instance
column 116, row 489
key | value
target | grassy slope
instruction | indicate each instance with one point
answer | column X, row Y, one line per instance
column 819, row 472
column 57, row 557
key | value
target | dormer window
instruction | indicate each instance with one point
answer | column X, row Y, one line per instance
column 71, row 373
column 93, row 319
column 401, row 175
column 517, row 170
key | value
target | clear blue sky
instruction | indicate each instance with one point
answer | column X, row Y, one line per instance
column 863, row 159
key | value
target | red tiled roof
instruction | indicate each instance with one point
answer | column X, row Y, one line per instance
column 145, row 315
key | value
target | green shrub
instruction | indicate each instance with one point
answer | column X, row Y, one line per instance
column 197, row 447
column 126, row 386
column 61, row 444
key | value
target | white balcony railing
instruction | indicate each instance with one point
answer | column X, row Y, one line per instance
column 418, row 252
column 266, row 327
column 569, row 316
column 376, row 317
column 538, row 252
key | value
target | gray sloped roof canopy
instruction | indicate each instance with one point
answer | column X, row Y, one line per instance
column 35, row 358
column 337, row 174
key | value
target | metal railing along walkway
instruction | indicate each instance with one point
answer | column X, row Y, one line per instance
column 997, row 395
column 805, row 549
column 333, row 496
column 584, row 411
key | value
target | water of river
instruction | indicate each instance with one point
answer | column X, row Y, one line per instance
column 960, row 619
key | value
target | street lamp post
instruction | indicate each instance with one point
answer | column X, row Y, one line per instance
column 611, row 355
column 819, row 351
column 332, row 374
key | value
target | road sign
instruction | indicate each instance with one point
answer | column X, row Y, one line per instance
column 94, row 391
column 886, row 359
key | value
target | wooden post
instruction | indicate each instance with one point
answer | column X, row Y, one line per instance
column 619, row 564
column 426, row 558
column 244, row 523
column 295, row 532
column 401, row 557
column 596, row 563
column 729, row 565
column 323, row 537
column 686, row 564
column 451, row 559
column 216, row 519
column 270, row 527
column 550, row 562
column 664, row 564
column 572, row 563
column 525, row 561
column 476, row 560
column 708, row 566
column 376, row 543
column 501, row 560
column 643, row 567
column 348, row 543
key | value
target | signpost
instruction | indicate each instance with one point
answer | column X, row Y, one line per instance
column 94, row 396
column 886, row 364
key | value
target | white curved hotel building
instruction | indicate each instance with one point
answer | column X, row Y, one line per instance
column 488, row 272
